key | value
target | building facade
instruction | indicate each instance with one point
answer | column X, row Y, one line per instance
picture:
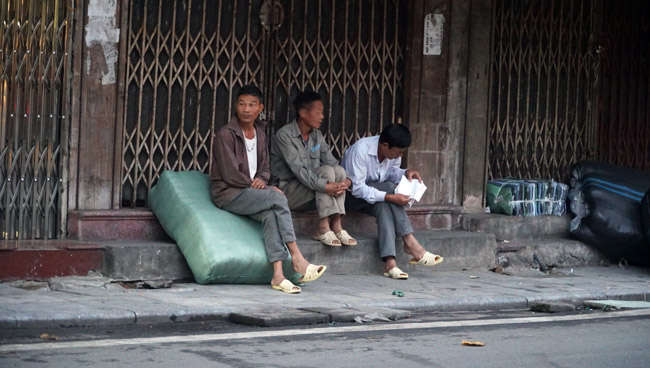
column 100, row 96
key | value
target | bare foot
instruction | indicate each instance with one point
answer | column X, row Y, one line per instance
column 335, row 223
column 277, row 279
column 389, row 264
column 300, row 265
column 413, row 247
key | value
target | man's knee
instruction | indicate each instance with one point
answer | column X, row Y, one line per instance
column 381, row 206
column 327, row 172
column 276, row 197
column 339, row 173
column 385, row 186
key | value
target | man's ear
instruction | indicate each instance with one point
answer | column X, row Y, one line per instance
column 300, row 113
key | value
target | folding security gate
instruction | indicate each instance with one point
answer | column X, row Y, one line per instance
column 544, row 78
column 569, row 81
column 624, row 126
column 34, row 113
column 187, row 58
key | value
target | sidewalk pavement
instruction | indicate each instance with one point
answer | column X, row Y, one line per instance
column 94, row 301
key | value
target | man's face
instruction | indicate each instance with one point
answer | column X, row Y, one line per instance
column 248, row 108
column 313, row 114
column 391, row 153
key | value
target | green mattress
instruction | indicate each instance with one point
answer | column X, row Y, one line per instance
column 220, row 247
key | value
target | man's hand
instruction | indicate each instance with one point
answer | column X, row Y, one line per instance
column 258, row 184
column 410, row 174
column 334, row 189
column 398, row 199
column 346, row 183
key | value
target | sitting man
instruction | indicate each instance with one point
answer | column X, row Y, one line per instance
column 373, row 163
column 303, row 167
column 239, row 176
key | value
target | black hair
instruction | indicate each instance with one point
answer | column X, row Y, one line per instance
column 396, row 135
column 250, row 90
column 305, row 99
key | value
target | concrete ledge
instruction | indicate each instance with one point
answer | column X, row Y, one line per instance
column 278, row 317
column 142, row 224
column 517, row 227
column 84, row 318
column 159, row 260
column 42, row 259
column 553, row 252
column 144, row 260
column 115, row 225
column 440, row 217
column 460, row 249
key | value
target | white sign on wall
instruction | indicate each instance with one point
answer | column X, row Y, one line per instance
column 433, row 27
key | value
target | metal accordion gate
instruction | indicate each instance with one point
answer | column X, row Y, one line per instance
column 624, row 127
column 34, row 113
column 544, row 79
column 185, row 60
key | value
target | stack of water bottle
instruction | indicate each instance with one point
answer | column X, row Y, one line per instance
column 527, row 197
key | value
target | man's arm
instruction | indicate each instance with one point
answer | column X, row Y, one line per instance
column 224, row 158
column 291, row 157
column 358, row 171
column 395, row 173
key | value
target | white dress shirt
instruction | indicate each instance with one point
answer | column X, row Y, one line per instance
column 362, row 165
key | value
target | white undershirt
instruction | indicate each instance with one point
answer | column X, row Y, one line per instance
column 251, row 153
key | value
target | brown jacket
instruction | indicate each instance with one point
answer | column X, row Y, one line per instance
column 229, row 172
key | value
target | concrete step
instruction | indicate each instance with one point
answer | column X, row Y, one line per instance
column 43, row 259
column 132, row 260
column 517, row 227
column 157, row 260
column 438, row 217
column 154, row 260
column 142, row 224
column 553, row 252
column 460, row 249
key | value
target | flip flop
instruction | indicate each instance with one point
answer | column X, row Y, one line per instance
column 429, row 259
column 329, row 238
column 287, row 286
column 345, row 238
column 396, row 273
column 312, row 273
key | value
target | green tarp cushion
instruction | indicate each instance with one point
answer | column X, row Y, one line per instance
column 499, row 199
column 220, row 247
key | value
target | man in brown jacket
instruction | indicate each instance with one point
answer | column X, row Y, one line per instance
column 239, row 176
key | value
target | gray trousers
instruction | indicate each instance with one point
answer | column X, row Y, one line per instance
column 392, row 221
column 270, row 208
column 302, row 198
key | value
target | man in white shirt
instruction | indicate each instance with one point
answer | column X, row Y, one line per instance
column 373, row 165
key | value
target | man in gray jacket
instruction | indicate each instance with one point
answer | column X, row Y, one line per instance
column 303, row 167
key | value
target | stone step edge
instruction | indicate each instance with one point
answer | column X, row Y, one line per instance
column 460, row 305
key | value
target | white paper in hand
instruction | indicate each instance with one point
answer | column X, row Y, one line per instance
column 414, row 189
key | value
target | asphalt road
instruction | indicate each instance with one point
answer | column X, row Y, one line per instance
column 521, row 339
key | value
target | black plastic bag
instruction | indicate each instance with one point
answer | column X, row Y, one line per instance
column 645, row 214
column 605, row 205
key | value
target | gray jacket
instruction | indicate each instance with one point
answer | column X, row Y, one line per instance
column 291, row 159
